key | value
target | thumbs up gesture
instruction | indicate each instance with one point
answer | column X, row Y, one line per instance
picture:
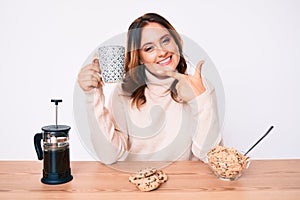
column 188, row 86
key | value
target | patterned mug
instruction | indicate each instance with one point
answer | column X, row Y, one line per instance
column 111, row 60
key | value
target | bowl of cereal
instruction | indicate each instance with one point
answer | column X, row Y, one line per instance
column 227, row 163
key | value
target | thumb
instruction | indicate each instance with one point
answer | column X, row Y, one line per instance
column 96, row 61
column 95, row 56
column 199, row 69
column 173, row 74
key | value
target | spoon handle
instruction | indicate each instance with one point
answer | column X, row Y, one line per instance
column 259, row 140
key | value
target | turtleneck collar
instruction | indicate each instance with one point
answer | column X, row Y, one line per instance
column 157, row 86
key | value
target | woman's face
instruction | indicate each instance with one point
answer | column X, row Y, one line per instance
column 158, row 49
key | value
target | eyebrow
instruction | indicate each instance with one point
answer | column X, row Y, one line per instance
column 167, row 34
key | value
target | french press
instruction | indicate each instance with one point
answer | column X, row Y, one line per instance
column 56, row 153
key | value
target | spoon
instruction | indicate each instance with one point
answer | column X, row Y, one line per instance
column 259, row 140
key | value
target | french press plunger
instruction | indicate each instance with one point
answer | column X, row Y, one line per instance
column 56, row 153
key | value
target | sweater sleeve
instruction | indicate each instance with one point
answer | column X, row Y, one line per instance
column 108, row 138
column 205, row 113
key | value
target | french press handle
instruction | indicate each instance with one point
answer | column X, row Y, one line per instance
column 37, row 145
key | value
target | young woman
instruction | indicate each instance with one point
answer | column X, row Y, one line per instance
column 158, row 111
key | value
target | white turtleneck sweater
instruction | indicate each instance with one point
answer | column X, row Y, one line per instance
column 161, row 129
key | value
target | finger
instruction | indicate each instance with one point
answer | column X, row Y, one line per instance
column 96, row 61
column 199, row 69
column 87, row 73
column 92, row 84
column 176, row 75
column 94, row 76
column 94, row 67
column 95, row 56
column 172, row 73
column 88, row 84
column 90, row 80
column 100, row 80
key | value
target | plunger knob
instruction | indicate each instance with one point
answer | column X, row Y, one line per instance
column 56, row 101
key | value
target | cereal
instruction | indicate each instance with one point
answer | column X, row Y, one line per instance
column 227, row 163
column 148, row 179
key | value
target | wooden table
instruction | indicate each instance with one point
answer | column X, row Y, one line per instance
column 264, row 179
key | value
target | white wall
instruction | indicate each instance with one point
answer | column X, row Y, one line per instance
column 254, row 45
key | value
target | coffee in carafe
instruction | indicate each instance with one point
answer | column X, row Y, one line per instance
column 55, row 153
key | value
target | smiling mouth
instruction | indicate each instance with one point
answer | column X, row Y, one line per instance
column 165, row 61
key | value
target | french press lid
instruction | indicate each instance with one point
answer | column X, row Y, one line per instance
column 56, row 128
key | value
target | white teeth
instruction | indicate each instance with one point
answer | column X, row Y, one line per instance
column 164, row 61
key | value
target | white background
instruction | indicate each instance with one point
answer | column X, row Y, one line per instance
column 254, row 45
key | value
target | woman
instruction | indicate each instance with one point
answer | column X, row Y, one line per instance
column 158, row 112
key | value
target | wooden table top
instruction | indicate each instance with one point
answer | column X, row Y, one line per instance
column 264, row 179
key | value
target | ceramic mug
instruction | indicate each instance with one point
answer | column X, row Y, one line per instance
column 111, row 60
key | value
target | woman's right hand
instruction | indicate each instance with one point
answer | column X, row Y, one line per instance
column 89, row 76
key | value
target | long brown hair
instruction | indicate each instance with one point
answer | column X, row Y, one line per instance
column 134, row 82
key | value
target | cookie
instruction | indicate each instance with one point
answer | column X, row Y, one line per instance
column 135, row 180
column 162, row 177
column 148, row 179
column 148, row 184
column 143, row 173
column 146, row 172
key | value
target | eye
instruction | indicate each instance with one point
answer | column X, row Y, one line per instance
column 148, row 48
column 166, row 40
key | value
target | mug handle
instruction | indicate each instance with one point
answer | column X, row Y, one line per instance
column 37, row 144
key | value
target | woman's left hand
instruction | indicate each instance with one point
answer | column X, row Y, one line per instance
column 188, row 86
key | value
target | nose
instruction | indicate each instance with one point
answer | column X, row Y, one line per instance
column 162, row 52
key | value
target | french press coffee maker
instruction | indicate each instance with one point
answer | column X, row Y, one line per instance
column 56, row 153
